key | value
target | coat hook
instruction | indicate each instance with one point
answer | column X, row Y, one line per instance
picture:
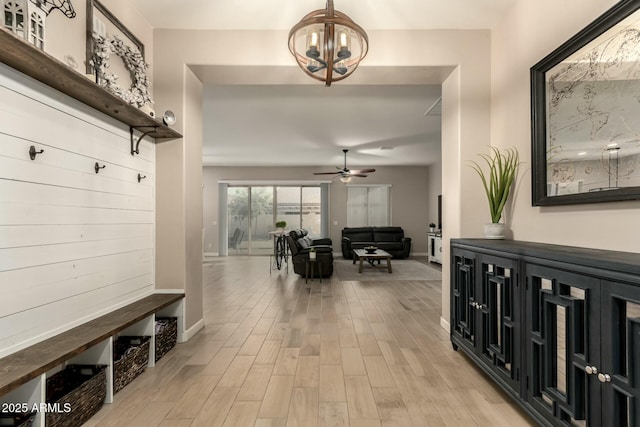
column 33, row 153
column 97, row 167
column 140, row 177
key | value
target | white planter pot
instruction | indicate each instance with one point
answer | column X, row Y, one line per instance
column 312, row 255
column 494, row 230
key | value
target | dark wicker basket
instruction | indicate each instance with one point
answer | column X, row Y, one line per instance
column 81, row 388
column 12, row 419
column 130, row 359
column 166, row 335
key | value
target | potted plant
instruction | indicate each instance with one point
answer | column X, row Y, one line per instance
column 497, row 179
column 280, row 225
column 432, row 227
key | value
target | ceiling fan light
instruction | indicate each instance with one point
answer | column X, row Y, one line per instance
column 345, row 179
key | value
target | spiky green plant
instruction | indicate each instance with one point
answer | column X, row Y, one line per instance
column 498, row 179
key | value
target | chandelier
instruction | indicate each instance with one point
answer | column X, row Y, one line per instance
column 328, row 45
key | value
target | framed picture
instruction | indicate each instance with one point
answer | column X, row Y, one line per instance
column 585, row 102
column 116, row 56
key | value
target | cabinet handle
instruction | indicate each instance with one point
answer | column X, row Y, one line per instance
column 604, row 378
column 591, row 370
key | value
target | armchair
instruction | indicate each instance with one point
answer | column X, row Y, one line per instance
column 300, row 244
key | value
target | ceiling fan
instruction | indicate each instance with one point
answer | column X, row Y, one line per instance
column 345, row 173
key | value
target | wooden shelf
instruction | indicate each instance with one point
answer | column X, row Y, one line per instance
column 18, row 54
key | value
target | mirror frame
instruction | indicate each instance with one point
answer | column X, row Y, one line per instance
column 538, row 113
column 95, row 4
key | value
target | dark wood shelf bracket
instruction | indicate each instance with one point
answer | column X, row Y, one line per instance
column 135, row 142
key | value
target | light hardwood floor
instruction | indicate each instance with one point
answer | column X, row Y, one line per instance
column 278, row 352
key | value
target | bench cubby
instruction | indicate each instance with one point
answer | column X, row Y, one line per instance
column 24, row 374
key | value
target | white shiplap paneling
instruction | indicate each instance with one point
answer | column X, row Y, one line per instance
column 73, row 244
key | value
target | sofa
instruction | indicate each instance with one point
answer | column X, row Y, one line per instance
column 300, row 245
column 389, row 239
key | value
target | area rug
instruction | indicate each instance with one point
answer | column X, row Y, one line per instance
column 403, row 269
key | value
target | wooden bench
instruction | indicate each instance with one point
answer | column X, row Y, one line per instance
column 29, row 363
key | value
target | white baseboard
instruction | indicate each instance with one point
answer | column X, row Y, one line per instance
column 189, row 333
column 211, row 254
column 445, row 325
column 168, row 291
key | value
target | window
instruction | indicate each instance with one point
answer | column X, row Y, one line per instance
column 37, row 30
column 14, row 17
column 368, row 205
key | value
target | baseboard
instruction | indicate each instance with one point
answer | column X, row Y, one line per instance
column 419, row 253
column 168, row 291
column 445, row 325
column 211, row 254
column 189, row 333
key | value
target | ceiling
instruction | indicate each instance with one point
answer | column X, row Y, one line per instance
column 282, row 15
column 306, row 123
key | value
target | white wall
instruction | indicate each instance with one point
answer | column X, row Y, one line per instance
column 527, row 34
column 73, row 244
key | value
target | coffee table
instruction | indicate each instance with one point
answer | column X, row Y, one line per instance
column 379, row 254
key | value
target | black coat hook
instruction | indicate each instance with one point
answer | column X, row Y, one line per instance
column 33, row 153
column 97, row 167
column 140, row 177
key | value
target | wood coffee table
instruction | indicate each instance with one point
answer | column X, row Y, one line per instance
column 379, row 254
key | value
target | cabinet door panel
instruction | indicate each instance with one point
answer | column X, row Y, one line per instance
column 621, row 353
column 463, row 306
column 563, row 328
column 499, row 299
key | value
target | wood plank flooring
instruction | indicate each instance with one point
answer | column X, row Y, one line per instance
column 278, row 352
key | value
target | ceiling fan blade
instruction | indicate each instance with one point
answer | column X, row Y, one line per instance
column 346, row 172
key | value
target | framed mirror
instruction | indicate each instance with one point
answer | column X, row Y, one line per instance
column 585, row 106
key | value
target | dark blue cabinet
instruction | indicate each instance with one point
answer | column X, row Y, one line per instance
column 558, row 328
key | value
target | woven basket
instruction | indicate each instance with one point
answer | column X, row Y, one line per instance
column 82, row 388
column 166, row 335
column 131, row 357
column 11, row 419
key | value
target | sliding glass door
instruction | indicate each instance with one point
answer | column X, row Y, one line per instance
column 288, row 206
column 238, row 219
column 311, row 211
column 261, row 220
column 248, row 229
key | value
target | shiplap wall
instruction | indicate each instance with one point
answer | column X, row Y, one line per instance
column 73, row 244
